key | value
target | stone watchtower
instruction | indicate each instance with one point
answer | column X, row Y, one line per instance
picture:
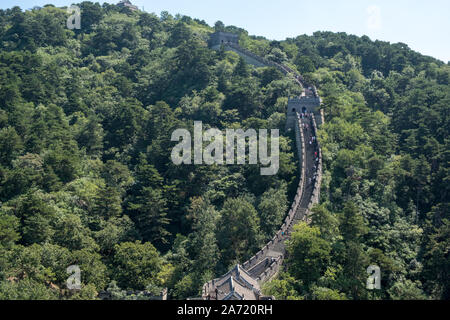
column 127, row 4
column 302, row 104
column 220, row 38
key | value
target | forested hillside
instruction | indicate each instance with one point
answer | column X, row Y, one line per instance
column 86, row 177
column 385, row 191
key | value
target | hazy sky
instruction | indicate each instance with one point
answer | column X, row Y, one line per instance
column 423, row 25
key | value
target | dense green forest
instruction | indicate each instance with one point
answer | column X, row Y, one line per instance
column 86, row 177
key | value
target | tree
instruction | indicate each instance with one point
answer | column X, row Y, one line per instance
column 10, row 145
column 277, row 55
column 64, row 162
column 327, row 222
column 309, row 254
column 304, row 64
column 91, row 136
column 124, row 125
column 149, row 210
column 203, row 242
column 352, row 224
column 136, row 265
column 244, row 98
column 117, row 175
column 26, row 289
column 9, row 226
column 91, row 15
column 269, row 75
column 148, row 205
column 319, row 293
column 36, row 216
column 354, row 276
column 407, row 290
column 272, row 209
column 219, row 26
column 354, row 259
column 437, row 263
column 180, row 34
column 284, row 288
column 93, row 270
column 242, row 68
column 114, row 230
column 108, row 202
column 185, row 288
column 238, row 233
column 71, row 233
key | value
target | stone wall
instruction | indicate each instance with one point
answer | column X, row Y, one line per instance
column 296, row 212
column 271, row 271
column 288, row 222
column 295, row 105
column 286, row 228
column 250, row 57
column 253, row 60
column 315, row 198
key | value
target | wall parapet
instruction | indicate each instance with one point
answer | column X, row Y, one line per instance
column 284, row 232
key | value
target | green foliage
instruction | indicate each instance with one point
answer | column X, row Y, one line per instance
column 238, row 233
column 10, row 145
column 385, row 170
column 352, row 224
column 204, row 249
column 407, row 290
column 272, row 208
column 136, row 265
column 304, row 64
column 26, row 290
column 86, row 118
column 309, row 254
column 284, row 288
column 9, row 226
column 319, row 293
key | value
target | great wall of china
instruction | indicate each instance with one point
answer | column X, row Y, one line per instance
column 244, row 281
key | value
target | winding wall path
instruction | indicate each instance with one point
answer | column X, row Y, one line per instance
column 267, row 262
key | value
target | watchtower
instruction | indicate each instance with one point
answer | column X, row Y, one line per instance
column 302, row 104
column 127, row 4
column 221, row 38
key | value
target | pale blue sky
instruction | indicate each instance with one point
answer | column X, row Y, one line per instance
column 423, row 25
